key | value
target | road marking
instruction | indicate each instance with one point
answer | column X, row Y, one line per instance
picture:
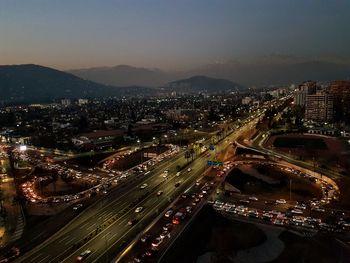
column 60, row 241
column 92, row 226
column 34, row 259
column 121, row 222
column 43, row 260
column 70, row 240
column 82, row 226
column 113, row 236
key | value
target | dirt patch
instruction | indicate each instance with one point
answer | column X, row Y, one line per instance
column 327, row 151
column 321, row 249
column 212, row 232
column 302, row 189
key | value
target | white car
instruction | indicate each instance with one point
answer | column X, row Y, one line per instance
column 84, row 255
column 139, row 209
column 143, row 186
column 169, row 213
column 253, row 198
column 76, row 207
column 189, row 170
column 178, row 173
column 281, row 201
column 157, row 242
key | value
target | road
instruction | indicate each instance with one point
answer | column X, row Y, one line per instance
column 103, row 227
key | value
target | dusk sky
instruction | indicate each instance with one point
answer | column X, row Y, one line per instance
column 170, row 34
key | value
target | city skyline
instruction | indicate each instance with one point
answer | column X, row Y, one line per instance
column 171, row 36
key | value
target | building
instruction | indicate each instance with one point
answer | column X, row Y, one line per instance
column 319, row 107
column 66, row 102
column 82, row 102
column 340, row 90
column 304, row 89
column 300, row 98
column 247, row 100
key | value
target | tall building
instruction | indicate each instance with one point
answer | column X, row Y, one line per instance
column 306, row 88
column 319, row 107
column 340, row 90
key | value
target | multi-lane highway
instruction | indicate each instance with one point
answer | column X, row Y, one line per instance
column 103, row 228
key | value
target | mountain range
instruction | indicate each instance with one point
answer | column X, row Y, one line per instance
column 270, row 71
column 123, row 75
column 33, row 83
column 198, row 84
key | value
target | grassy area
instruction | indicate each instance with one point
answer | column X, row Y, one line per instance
column 320, row 249
column 291, row 142
column 212, row 232
column 302, row 189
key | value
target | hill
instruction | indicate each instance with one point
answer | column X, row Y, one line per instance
column 34, row 83
column 124, row 75
column 198, row 84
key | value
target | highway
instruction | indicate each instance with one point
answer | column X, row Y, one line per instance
column 115, row 202
column 103, row 227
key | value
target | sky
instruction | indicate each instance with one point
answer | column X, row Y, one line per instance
column 170, row 34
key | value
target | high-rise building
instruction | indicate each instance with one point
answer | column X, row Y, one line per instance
column 340, row 90
column 306, row 88
column 319, row 107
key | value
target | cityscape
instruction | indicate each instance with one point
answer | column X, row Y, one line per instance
column 174, row 131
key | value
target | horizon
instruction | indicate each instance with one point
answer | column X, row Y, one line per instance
column 171, row 36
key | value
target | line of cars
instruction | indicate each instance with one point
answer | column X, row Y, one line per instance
column 173, row 217
column 292, row 217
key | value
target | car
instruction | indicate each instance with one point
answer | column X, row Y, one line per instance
column 139, row 258
column 184, row 196
column 168, row 227
column 243, row 201
column 281, row 201
column 178, row 173
column 159, row 193
column 165, row 175
column 84, row 255
column 157, row 242
column 189, row 209
column 253, row 198
column 164, row 234
column 143, row 186
column 132, row 222
column 177, row 184
column 189, row 170
column 139, row 209
column 145, row 237
column 77, row 206
column 169, row 213
column 149, row 252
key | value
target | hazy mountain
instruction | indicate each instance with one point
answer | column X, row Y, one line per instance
column 197, row 84
column 123, row 75
column 276, row 72
column 33, row 83
column 269, row 70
